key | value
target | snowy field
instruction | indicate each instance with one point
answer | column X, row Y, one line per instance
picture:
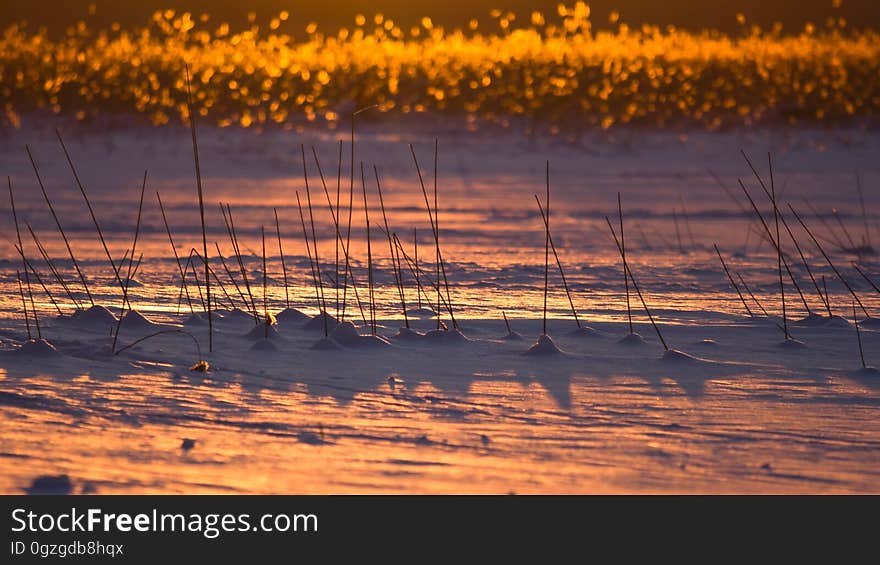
column 450, row 412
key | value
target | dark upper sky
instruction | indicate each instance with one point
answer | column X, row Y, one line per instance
column 719, row 14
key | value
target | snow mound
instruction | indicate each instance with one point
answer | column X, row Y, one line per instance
column 316, row 323
column 446, row 336
column 407, row 334
column 632, row 339
column 259, row 332
column 513, row 336
column 289, row 315
column 325, row 343
column 706, row 343
column 197, row 319
column 421, row 313
column 545, row 346
column 813, row 320
column 836, row 322
column 347, row 335
column 584, row 331
column 95, row 317
column 263, row 345
column 50, row 484
column 676, row 356
column 867, row 372
column 39, row 348
column 236, row 315
column 792, row 343
column 372, row 341
column 132, row 283
column 135, row 320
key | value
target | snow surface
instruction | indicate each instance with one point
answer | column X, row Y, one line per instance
column 430, row 410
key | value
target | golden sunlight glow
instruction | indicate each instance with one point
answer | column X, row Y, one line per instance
column 554, row 69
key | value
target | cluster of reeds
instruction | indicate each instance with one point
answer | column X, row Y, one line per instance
column 340, row 274
column 785, row 248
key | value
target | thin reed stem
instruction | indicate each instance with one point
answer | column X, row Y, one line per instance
column 414, row 269
column 773, row 241
column 677, row 232
column 546, row 247
column 370, row 285
column 309, row 251
column 265, row 295
column 233, row 236
column 636, row 286
column 623, row 254
column 778, row 248
column 751, row 294
column 281, row 253
column 51, row 265
column 314, row 240
column 28, row 265
column 194, row 252
column 439, row 259
column 21, row 249
column 865, row 276
column 73, row 260
column 229, row 274
column 424, row 275
column 828, row 260
column 174, row 251
column 416, row 253
column 195, row 144
column 397, row 275
column 350, row 210
column 137, row 228
column 558, row 262
column 27, row 317
column 431, row 218
column 825, row 287
column 730, row 278
column 338, row 235
column 859, row 336
column 805, row 263
column 349, row 275
column 190, row 265
column 131, row 274
column 162, row 332
column 837, row 241
column 91, row 211
column 849, row 239
column 30, row 293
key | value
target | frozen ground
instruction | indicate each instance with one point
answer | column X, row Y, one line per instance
column 471, row 415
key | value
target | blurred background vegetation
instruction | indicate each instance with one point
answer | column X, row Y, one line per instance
column 330, row 15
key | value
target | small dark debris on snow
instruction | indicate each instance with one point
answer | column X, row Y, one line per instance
column 310, row 438
column 50, row 484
